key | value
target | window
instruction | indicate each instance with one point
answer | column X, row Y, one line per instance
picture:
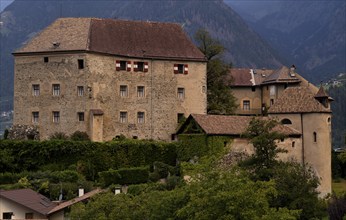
column 140, row 117
column 181, row 93
column 123, row 91
column 56, row 89
column 7, row 215
column 140, row 91
column 56, row 117
column 80, row 64
column 180, row 68
column 253, row 88
column 35, row 117
column 36, row 90
column 141, row 66
column 123, row 117
column 123, row 65
column 80, row 90
column 293, row 143
column 286, row 121
column 315, row 137
column 271, row 102
column 246, row 105
column 45, row 59
column 29, row 215
column 80, row 116
column 181, row 117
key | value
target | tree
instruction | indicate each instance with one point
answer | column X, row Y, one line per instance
column 261, row 135
column 296, row 184
column 219, row 95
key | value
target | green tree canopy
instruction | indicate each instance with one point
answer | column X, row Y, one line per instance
column 219, row 95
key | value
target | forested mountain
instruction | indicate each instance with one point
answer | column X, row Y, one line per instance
column 23, row 19
column 310, row 34
column 338, row 92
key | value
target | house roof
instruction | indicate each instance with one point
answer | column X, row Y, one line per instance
column 297, row 100
column 282, row 75
column 232, row 125
column 74, row 201
column 256, row 77
column 140, row 39
column 29, row 199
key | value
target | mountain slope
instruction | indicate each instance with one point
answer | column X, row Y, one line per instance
column 310, row 34
column 23, row 19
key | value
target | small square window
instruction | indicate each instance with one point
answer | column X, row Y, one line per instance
column 80, row 90
column 253, row 89
column 140, row 91
column 56, row 117
column 35, row 117
column 246, row 105
column 140, row 117
column 45, row 59
column 181, row 117
column 181, row 93
column 123, row 91
column 80, row 116
column 36, row 90
column 123, row 117
column 80, row 64
column 56, row 89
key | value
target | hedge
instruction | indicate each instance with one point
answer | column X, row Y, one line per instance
column 88, row 157
column 124, row 176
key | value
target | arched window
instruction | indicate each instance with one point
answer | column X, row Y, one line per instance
column 315, row 136
column 328, row 119
column 286, row 121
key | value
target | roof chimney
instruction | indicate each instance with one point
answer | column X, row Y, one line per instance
column 80, row 192
column 293, row 71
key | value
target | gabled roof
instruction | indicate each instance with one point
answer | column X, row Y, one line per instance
column 74, row 201
column 140, row 39
column 256, row 77
column 29, row 199
column 230, row 125
column 297, row 100
column 282, row 75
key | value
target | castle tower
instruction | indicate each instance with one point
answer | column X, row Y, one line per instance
column 309, row 113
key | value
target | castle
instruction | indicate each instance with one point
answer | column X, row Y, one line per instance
column 139, row 79
column 109, row 78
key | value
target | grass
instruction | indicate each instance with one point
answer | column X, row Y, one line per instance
column 339, row 187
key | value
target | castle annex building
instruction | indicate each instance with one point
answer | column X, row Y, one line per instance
column 286, row 96
column 109, row 78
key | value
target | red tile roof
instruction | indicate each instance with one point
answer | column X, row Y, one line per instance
column 297, row 100
column 282, row 75
column 256, row 77
column 232, row 125
column 116, row 37
column 29, row 199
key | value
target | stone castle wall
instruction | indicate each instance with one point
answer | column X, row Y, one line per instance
column 101, row 82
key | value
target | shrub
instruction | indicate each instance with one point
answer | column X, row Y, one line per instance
column 124, row 176
column 58, row 136
column 79, row 136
